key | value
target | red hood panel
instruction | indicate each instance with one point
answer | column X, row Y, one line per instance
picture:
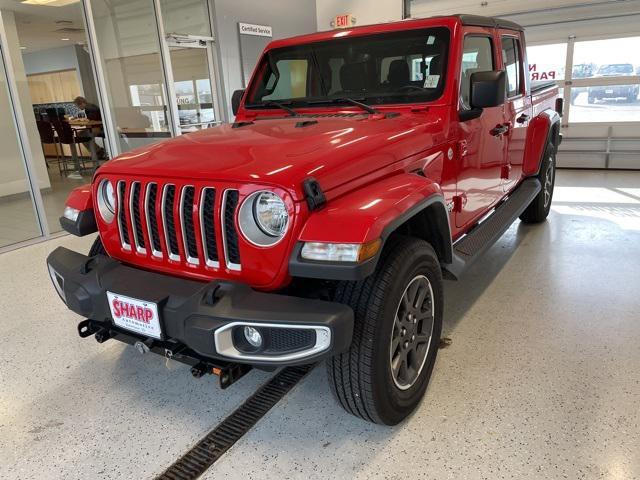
column 280, row 152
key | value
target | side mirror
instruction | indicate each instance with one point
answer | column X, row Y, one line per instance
column 236, row 98
column 488, row 89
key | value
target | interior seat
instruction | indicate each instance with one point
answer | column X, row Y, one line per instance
column 399, row 74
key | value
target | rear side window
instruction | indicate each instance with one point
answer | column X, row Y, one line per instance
column 477, row 56
column 511, row 57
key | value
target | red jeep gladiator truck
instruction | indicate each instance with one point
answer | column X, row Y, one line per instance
column 364, row 166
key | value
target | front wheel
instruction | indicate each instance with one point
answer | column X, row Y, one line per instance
column 398, row 321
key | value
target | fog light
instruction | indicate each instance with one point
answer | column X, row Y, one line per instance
column 253, row 337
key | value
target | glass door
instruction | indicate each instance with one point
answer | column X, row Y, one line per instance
column 193, row 90
column 18, row 220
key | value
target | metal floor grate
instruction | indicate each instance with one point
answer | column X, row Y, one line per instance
column 204, row 454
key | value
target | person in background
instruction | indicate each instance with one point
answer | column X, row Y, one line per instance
column 92, row 112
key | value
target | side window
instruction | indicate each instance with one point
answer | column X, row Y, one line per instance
column 511, row 57
column 292, row 82
column 477, row 56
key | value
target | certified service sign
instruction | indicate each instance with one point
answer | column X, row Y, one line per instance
column 258, row 30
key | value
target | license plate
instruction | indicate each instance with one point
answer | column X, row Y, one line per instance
column 138, row 316
column 608, row 91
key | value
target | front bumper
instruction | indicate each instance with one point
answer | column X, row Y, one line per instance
column 201, row 317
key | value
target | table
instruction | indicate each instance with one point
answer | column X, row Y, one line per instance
column 88, row 125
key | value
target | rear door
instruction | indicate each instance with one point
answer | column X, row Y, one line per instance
column 479, row 183
column 517, row 107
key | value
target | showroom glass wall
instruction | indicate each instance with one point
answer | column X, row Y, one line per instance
column 600, row 82
column 603, row 81
column 151, row 71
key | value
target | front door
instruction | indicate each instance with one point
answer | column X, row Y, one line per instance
column 191, row 65
column 481, row 149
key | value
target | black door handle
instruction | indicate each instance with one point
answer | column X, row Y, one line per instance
column 499, row 130
column 524, row 118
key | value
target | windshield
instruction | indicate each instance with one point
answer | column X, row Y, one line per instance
column 620, row 69
column 402, row 67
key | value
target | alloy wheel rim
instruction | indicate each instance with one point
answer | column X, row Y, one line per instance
column 412, row 332
column 548, row 183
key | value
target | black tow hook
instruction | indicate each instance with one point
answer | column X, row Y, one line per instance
column 103, row 335
column 227, row 375
column 86, row 328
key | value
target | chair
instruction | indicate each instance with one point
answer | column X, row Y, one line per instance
column 66, row 136
column 47, row 137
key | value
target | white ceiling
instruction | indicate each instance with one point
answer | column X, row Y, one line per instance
column 42, row 27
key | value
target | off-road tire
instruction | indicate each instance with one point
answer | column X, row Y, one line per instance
column 361, row 378
column 97, row 248
column 538, row 209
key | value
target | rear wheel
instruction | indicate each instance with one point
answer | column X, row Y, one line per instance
column 539, row 208
column 97, row 248
column 398, row 321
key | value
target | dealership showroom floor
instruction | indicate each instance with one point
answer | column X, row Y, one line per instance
column 540, row 378
column 243, row 163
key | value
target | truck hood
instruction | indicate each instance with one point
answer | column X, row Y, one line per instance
column 335, row 149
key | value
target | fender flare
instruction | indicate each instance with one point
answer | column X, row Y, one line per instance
column 368, row 214
column 543, row 129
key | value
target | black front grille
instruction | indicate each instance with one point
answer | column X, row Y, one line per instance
column 230, row 232
column 169, row 219
column 208, row 204
column 154, row 233
column 137, row 223
column 187, row 216
column 122, row 217
column 287, row 340
column 161, row 222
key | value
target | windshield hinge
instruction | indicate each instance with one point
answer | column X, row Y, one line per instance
column 313, row 194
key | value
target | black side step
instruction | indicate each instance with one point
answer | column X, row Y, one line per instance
column 479, row 239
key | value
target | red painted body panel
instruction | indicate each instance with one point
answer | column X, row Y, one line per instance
column 374, row 209
column 80, row 198
column 365, row 164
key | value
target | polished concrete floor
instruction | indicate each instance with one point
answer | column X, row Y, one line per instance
column 17, row 216
column 541, row 379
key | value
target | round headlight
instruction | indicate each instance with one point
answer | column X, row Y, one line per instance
column 271, row 214
column 263, row 218
column 106, row 200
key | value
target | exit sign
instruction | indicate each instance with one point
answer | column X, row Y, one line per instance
column 344, row 21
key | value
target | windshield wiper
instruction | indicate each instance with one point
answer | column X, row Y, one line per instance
column 364, row 106
column 281, row 106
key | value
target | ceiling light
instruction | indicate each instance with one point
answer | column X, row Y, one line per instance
column 23, row 48
column 64, row 39
column 50, row 3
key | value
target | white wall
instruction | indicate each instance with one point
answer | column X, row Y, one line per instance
column 287, row 18
column 365, row 11
column 12, row 172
